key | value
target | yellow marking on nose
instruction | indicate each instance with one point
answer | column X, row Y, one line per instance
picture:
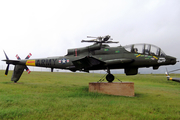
column 155, row 57
column 138, row 55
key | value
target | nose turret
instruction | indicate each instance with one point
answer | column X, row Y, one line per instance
column 171, row 60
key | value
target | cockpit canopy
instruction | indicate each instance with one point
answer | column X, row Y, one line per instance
column 147, row 49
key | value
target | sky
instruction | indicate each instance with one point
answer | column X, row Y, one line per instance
column 47, row 28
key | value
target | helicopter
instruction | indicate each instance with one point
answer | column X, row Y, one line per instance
column 98, row 56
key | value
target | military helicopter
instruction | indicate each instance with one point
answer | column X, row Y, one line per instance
column 99, row 56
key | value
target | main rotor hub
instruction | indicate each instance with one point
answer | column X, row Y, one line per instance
column 100, row 39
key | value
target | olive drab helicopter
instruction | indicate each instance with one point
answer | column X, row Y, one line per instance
column 98, row 56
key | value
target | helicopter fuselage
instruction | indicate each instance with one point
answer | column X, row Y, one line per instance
column 111, row 57
column 98, row 57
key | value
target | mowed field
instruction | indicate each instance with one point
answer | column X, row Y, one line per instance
column 53, row 96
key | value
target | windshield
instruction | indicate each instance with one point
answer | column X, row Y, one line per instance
column 145, row 49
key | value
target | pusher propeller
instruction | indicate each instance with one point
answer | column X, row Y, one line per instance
column 7, row 62
column 28, row 56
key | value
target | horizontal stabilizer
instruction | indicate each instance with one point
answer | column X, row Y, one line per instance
column 14, row 62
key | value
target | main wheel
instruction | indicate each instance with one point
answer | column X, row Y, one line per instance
column 109, row 77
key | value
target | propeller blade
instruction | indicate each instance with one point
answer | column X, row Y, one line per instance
column 7, row 69
column 6, row 55
column 27, row 69
column 17, row 56
column 28, row 56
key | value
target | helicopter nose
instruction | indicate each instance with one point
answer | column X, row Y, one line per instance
column 172, row 60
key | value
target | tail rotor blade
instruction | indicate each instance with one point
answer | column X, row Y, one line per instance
column 7, row 69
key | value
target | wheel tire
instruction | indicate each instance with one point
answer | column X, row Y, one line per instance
column 109, row 77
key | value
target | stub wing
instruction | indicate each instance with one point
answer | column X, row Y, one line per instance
column 87, row 62
column 119, row 61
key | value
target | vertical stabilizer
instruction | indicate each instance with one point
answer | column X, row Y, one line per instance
column 18, row 70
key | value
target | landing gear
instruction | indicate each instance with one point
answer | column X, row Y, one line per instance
column 15, row 82
column 109, row 77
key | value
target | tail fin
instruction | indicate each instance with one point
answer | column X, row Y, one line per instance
column 18, row 70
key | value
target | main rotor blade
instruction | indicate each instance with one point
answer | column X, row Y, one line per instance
column 7, row 69
column 91, row 37
column 94, row 40
column 106, row 38
column 112, row 42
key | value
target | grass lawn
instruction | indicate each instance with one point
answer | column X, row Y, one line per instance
column 51, row 96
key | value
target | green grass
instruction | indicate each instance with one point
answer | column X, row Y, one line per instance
column 51, row 96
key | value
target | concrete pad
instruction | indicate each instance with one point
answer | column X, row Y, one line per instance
column 114, row 88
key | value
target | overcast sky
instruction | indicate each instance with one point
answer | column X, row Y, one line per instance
column 48, row 28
